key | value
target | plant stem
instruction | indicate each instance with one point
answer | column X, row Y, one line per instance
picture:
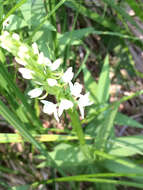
column 76, row 124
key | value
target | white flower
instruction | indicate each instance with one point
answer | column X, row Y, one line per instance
column 52, row 82
column 35, row 92
column 23, row 49
column 75, row 89
column 64, row 105
column 5, row 42
column 68, row 75
column 20, row 61
column 54, row 66
column 50, row 108
column 26, row 73
column 43, row 60
column 83, row 102
column 23, row 52
column 35, row 48
column 5, row 45
column 15, row 36
column 4, row 35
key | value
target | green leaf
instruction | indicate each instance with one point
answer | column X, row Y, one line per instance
column 15, row 138
column 74, row 36
column 90, row 84
column 68, row 157
column 127, row 146
column 26, row 11
column 106, row 128
column 124, row 120
column 21, row 187
column 92, row 15
column 15, row 23
column 118, row 165
column 123, row 13
column 20, row 3
column 104, row 82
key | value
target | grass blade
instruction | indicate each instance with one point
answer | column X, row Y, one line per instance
column 104, row 82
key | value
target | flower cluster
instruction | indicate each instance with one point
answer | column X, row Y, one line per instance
column 46, row 76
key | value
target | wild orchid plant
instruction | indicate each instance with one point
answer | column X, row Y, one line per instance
column 47, row 77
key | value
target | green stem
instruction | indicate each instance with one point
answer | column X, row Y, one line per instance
column 76, row 124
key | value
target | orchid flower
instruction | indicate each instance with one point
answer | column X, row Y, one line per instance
column 23, row 52
column 52, row 82
column 50, row 108
column 83, row 102
column 75, row 89
column 20, row 61
column 35, row 48
column 54, row 66
column 35, row 92
column 26, row 73
column 68, row 75
column 15, row 36
column 43, row 60
column 64, row 105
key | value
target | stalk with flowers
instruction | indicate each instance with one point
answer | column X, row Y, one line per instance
column 48, row 78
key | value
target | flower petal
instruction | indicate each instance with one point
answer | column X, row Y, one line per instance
column 15, row 36
column 81, row 108
column 68, row 75
column 75, row 89
column 52, row 82
column 56, row 64
column 23, row 52
column 35, row 92
column 44, row 60
column 64, row 105
column 20, row 61
column 84, row 100
column 50, row 108
column 35, row 48
column 26, row 73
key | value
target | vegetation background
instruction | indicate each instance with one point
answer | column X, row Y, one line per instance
column 103, row 41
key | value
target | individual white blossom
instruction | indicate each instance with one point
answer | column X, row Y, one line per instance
column 20, row 61
column 5, row 45
column 50, row 108
column 52, row 82
column 68, row 75
column 5, row 42
column 54, row 66
column 4, row 35
column 35, row 92
column 64, row 105
column 83, row 102
column 35, row 48
column 23, row 52
column 43, row 60
column 75, row 89
column 15, row 36
column 26, row 73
